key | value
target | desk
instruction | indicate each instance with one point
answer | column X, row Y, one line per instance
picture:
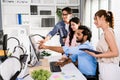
column 69, row 71
column 45, row 65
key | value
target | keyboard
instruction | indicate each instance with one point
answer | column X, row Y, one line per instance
column 54, row 68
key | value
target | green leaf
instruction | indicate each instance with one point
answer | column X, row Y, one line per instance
column 41, row 74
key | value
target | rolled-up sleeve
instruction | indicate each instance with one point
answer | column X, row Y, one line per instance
column 66, row 49
column 74, row 57
column 54, row 31
column 70, row 50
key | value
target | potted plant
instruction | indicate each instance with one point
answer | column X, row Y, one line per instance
column 41, row 74
column 59, row 13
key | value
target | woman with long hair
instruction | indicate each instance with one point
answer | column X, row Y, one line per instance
column 108, row 60
column 74, row 23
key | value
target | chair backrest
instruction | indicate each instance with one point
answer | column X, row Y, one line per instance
column 14, row 77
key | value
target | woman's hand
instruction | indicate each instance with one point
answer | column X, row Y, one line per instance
column 91, row 53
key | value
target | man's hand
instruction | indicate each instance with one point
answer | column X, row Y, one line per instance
column 42, row 41
column 59, row 64
column 64, row 57
column 42, row 46
column 67, row 60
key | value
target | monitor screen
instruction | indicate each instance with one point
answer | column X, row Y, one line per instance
column 1, row 39
column 34, row 39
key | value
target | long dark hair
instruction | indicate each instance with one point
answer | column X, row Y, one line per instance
column 108, row 15
column 71, row 32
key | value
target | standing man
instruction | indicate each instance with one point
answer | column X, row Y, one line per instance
column 61, row 27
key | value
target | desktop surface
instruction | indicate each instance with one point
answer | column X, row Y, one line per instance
column 44, row 65
column 68, row 72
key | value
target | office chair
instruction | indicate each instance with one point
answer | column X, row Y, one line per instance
column 96, row 77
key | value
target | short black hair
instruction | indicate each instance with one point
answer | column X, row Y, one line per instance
column 68, row 9
column 86, row 31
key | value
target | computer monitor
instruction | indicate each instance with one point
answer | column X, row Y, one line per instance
column 34, row 45
column 1, row 39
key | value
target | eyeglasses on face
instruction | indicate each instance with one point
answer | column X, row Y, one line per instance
column 65, row 14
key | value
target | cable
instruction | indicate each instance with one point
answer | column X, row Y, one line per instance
column 13, row 46
column 15, row 39
column 25, row 76
column 38, row 35
column 21, row 47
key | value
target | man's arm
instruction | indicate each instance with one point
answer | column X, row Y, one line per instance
column 53, row 48
column 50, row 34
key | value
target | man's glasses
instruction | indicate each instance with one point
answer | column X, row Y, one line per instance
column 64, row 14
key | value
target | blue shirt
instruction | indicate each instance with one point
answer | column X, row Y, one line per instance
column 60, row 29
column 86, row 63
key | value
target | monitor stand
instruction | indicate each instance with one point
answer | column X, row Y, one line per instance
column 34, row 62
column 38, row 63
column 38, row 59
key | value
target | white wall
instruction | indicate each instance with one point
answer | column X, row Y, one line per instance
column 115, row 7
column 90, row 8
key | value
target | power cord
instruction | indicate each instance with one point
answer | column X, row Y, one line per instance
column 38, row 35
column 14, row 38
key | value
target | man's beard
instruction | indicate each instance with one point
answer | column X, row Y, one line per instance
column 80, row 41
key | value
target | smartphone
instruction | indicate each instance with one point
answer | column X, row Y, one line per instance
column 91, row 50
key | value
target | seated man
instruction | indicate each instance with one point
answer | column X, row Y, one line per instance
column 86, row 63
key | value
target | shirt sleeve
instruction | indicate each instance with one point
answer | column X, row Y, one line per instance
column 67, row 50
column 74, row 57
column 70, row 50
column 54, row 30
